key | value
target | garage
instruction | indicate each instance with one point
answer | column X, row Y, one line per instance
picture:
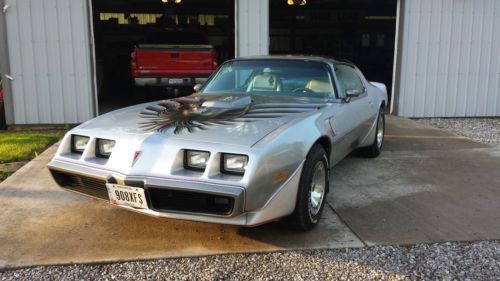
column 153, row 49
column 362, row 32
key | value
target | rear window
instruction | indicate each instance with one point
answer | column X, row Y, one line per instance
column 175, row 38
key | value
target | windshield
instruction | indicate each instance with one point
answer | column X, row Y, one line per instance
column 272, row 77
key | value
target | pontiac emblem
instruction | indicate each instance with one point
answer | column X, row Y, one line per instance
column 136, row 157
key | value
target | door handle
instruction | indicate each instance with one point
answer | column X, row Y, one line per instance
column 9, row 77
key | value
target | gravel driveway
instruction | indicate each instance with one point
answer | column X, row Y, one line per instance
column 449, row 261
column 484, row 130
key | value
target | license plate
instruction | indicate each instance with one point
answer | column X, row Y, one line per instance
column 127, row 196
column 175, row 81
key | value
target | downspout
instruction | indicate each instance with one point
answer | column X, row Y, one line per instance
column 398, row 54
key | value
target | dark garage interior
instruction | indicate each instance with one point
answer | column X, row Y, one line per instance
column 119, row 25
column 360, row 31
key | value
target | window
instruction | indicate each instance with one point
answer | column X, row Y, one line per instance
column 380, row 40
column 348, row 79
column 365, row 40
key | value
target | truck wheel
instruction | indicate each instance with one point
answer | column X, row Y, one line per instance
column 378, row 143
column 312, row 191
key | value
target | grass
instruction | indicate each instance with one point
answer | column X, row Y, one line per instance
column 23, row 146
column 3, row 175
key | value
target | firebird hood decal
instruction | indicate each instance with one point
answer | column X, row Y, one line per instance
column 198, row 113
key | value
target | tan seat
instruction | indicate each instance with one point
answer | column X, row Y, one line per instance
column 319, row 86
column 266, row 82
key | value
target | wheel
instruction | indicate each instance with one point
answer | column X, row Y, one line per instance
column 378, row 142
column 313, row 186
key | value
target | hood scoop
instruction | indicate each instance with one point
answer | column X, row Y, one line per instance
column 229, row 102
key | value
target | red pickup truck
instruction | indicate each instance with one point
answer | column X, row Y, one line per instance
column 171, row 58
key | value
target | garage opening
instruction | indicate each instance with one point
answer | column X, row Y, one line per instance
column 154, row 49
column 361, row 31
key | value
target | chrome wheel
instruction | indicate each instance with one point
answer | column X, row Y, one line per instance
column 380, row 131
column 318, row 187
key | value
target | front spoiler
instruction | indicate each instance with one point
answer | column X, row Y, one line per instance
column 281, row 204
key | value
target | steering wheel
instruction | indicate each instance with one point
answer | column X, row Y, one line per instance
column 304, row 90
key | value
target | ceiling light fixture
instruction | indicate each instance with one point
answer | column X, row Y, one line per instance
column 296, row 2
column 175, row 1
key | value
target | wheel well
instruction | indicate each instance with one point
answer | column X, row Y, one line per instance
column 326, row 144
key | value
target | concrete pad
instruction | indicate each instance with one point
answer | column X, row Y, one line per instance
column 422, row 189
column 405, row 135
column 43, row 224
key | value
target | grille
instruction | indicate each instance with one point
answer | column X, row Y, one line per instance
column 174, row 200
column 90, row 186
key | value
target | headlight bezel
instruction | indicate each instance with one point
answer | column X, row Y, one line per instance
column 73, row 143
column 189, row 166
column 231, row 171
column 98, row 150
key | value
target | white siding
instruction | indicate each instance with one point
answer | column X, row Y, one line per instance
column 49, row 52
column 252, row 35
column 450, row 63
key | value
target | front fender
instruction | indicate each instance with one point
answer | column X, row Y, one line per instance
column 280, row 154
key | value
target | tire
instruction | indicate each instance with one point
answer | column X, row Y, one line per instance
column 307, row 214
column 375, row 149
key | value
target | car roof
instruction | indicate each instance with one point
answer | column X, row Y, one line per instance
column 324, row 59
column 288, row 57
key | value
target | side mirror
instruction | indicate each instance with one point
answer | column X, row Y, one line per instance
column 197, row 87
column 352, row 93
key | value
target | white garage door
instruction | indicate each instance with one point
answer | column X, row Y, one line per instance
column 450, row 63
column 50, row 61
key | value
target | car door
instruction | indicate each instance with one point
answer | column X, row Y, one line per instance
column 351, row 118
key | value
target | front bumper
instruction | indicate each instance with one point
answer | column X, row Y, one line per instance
column 169, row 81
column 92, row 182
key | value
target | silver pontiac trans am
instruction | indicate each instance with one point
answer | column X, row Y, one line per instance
column 254, row 144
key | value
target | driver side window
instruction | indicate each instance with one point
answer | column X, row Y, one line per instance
column 348, row 79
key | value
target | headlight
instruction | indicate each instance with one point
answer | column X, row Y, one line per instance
column 234, row 164
column 78, row 143
column 196, row 160
column 104, row 148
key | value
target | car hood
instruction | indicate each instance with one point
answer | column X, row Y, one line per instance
column 234, row 119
